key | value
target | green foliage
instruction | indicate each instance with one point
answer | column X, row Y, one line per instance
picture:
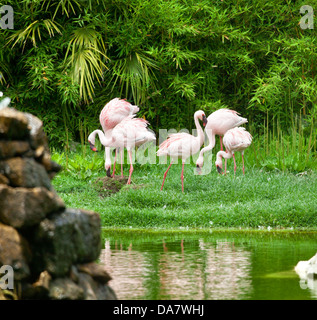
column 66, row 59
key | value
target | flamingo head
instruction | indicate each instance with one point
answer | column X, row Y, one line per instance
column 92, row 147
column 219, row 166
column 201, row 115
column 199, row 164
column 91, row 140
column 107, row 167
column 204, row 120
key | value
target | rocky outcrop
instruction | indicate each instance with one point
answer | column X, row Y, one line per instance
column 51, row 249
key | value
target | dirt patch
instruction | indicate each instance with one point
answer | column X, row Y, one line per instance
column 108, row 186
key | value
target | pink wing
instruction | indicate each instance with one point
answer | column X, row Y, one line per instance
column 171, row 139
column 115, row 111
column 177, row 144
column 132, row 131
column 222, row 120
column 237, row 139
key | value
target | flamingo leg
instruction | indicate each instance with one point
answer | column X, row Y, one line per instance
column 166, row 174
column 242, row 162
column 234, row 161
column 131, row 167
column 114, row 164
column 121, row 155
column 220, row 137
column 182, row 176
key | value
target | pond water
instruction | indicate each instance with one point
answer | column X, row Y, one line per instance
column 208, row 265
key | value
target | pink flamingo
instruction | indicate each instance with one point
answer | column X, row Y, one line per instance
column 111, row 115
column 130, row 132
column 218, row 123
column 182, row 145
column 236, row 139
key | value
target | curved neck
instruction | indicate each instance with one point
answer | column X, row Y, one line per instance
column 209, row 147
column 104, row 141
column 200, row 132
column 223, row 154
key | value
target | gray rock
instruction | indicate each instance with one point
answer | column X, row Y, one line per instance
column 21, row 207
column 25, row 172
column 67, row 238
column 65, row 289
column 97, row 271
column 14, row 251
column 94, row 290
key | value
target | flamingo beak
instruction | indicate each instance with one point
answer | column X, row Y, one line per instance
column 204, row 120
column 219, row 170
column 92, row 147
column 198, row 168
column 108, row 173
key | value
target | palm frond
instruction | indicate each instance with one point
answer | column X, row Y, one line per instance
column 33, row 32
column 86, row 60
column 136, row 75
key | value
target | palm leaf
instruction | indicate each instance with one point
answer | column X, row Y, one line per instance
column 33, row 31
column 135, row 74
column 86, row 61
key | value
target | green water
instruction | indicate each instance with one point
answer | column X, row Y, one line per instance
column 208, row 265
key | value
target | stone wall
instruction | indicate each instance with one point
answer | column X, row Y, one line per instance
column 52, row 249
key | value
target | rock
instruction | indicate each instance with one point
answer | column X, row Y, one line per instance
column 14, row 251
column 43, row 281
column 67, row 238
column 94, row 290
column 37, row 134
column 9, row 149
column 52, row 250
column 25, row 172
column 3, row 179
column 21, row 207
column 39, row 289
column 50, row 166
column 96, row 271
column 13, row 124
column 65, row 289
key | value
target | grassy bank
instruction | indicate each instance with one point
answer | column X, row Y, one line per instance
column 260, row 199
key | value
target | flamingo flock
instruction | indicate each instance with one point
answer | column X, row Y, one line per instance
column 122, row 129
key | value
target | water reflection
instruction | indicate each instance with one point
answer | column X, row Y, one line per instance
column 227, row 271
column 127, row 268
column 208, row 266
column 196, row 270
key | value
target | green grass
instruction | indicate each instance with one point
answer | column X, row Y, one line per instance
column 258, row 200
